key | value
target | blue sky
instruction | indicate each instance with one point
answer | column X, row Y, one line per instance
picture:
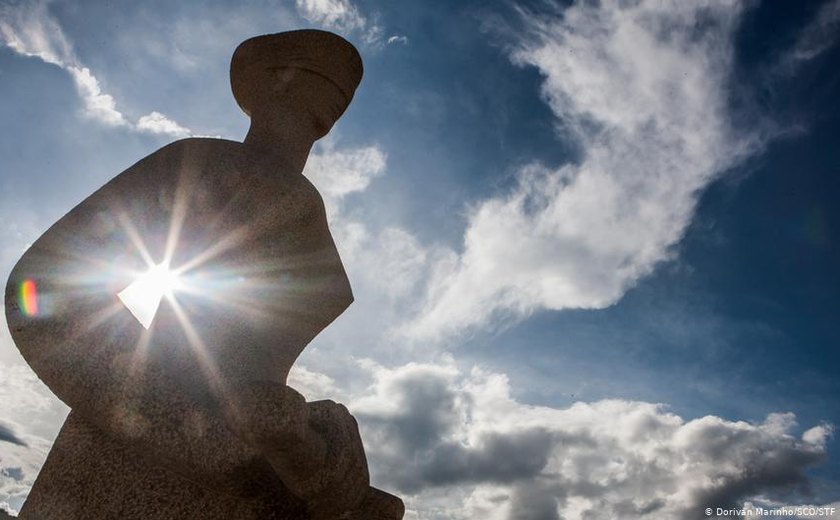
column 594, row 247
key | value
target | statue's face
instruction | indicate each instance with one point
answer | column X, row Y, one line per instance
column 307, row 95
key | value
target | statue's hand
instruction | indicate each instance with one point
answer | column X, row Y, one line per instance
column 344, row 489
column 315, row 448
column 274, row 418
column 342, row 481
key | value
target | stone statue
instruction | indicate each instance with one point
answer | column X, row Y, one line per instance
column 192, row 418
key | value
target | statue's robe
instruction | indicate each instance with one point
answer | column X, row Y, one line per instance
column 146, row 432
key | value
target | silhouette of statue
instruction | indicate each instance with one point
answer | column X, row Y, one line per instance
column 192, row 418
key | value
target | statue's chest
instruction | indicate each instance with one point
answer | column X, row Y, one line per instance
column 228, row 207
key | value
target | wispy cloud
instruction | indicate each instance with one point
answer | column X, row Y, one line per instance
column 641, row 87
column 338, row 172
column 818, row 36
column 31, row 30
column 341, row 16
column 388, row 263
column 335, row 14
column 397, row 38
column 432, row 430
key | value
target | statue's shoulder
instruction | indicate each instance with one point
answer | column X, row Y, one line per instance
column 202, row 143
column 198, row 148
column 185, row 156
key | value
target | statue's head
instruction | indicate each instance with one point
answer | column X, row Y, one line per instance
column 308, row 73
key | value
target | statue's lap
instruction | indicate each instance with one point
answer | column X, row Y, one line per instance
column 88, row 474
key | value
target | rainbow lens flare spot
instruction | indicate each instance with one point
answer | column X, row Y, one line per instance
column 28, row 298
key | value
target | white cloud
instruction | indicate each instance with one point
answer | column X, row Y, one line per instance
column 388, row 262
column 28, row 409
column 460, row 446
column 157, row 123
column 312, row 385
column 339, row 172
column 395, row 264
column 818, row 435
column 398, row 38
column 341, row 16
column 388, row 265
column 334, row 14
column 98, row 105
column 29, row 29
column 642, row 88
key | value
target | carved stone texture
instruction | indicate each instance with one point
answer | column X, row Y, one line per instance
column 192, row 418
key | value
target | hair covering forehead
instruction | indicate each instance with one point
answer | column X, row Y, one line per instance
column 321, row 52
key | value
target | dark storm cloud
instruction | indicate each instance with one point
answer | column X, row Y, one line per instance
column 777, row 469
column 498, row 458
column 535, row 501
column 430, row 429
column 429, row 409
column 427, row 412
column 6, row 434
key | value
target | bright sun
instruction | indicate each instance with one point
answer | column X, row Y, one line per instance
column 143, row 296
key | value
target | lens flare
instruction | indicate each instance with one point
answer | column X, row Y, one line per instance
column 28, row 298
column 142, row 297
